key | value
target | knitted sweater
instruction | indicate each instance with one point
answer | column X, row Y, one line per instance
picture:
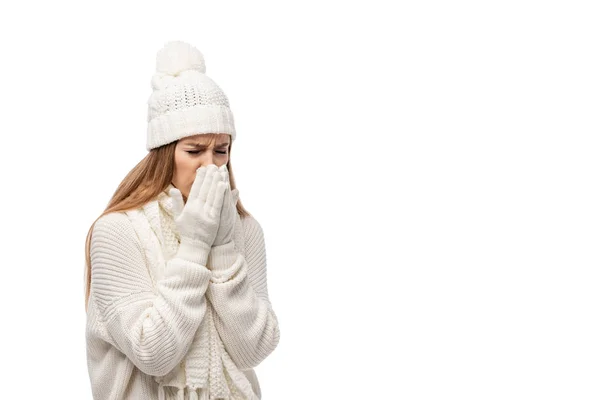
column 161, row 327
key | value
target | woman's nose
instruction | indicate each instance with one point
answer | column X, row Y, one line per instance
column 207, row 159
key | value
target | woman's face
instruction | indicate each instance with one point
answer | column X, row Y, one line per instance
column 193, row 152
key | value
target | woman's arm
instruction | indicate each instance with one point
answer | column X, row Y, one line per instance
column 238, row 292
column 153, row 327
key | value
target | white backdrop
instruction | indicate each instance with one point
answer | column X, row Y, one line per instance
column 426, row 175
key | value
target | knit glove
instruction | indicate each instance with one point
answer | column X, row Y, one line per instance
column 198, row 220
column 228, row 212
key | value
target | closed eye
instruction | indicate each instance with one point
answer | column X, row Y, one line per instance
column 198, row 151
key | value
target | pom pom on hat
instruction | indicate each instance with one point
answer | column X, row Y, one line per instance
column 178, row 56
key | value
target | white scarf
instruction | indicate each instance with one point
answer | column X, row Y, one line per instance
column 207, row 371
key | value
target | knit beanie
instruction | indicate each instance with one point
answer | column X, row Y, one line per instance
column 184, row 101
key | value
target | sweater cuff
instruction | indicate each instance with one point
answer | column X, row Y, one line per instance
column 222, row 257
column 194, row 251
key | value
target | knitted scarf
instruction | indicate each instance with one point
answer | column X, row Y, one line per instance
column 207, row 371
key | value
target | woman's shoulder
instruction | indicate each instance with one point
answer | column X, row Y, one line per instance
column 119, row 219
column 250, row 223
column 111, row 227
column 115, row 219
column 253, row 231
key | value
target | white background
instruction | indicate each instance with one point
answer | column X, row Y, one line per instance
column 426, row 175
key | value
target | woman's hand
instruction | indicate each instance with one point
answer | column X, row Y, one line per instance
column 198, row 221
column 228, row 211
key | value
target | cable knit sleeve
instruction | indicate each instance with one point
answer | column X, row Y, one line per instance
column 238, row 293
column 152, row 326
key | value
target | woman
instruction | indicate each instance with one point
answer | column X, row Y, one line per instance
column 176, row 295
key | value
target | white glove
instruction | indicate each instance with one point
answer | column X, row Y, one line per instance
column 228, row 212
column 198, row 220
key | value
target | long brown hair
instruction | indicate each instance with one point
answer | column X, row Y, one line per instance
column 142, row 184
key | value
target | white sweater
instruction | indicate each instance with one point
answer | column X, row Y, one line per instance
column 143, row 314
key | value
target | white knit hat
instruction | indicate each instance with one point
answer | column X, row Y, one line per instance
column 184, row 101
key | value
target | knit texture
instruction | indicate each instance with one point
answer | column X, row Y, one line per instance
column 163, row 327
column 185, row 101
column 203, row 367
